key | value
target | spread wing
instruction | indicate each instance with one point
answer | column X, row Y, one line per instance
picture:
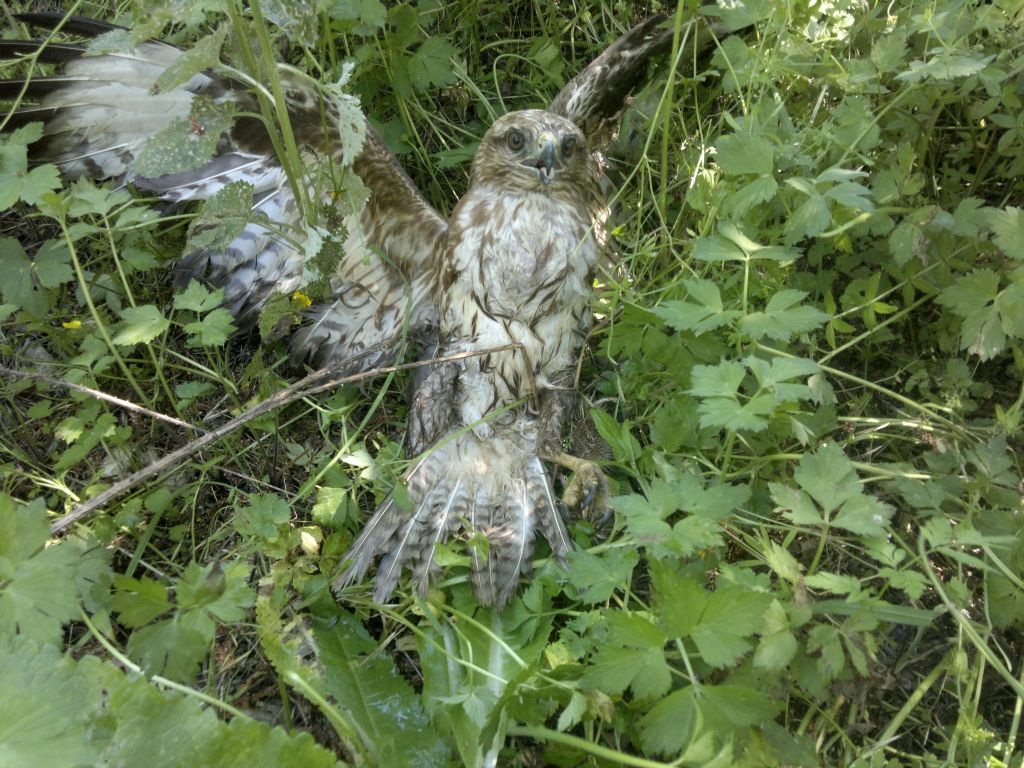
column 99, row 113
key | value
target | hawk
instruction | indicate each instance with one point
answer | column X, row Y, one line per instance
column 505, row 281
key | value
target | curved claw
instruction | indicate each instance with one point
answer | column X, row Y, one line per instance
column 587, row 492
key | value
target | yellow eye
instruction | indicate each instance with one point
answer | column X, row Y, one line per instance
column 515, row 140
column 569, row 147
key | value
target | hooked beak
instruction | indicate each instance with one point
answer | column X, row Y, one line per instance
column 544, row 156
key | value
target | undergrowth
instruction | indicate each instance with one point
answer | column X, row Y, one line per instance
column 805, row 381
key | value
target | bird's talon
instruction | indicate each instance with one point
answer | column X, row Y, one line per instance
column 587, row 492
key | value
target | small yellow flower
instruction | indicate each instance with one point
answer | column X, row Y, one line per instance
column 301, row 299
column 72, row 324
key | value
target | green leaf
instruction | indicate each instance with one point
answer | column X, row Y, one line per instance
column 782, row 319
column 599, row 576
column 431, row 64
column 812, row 217
column 670, row 724
column 140, row 325
column 1008, row 230
column 18, row 286
column 364, row 16
column 139, row 601
column 171, row 647
column 266, row 518
column 53, row 264
column 828, row 476
column 52, row 706
column 221, row 218
column 613, row 669
column 743, row 153
column 37, row 585
column 706, row 314
column 731, row 615
column 385, row 708
column 198, row 298
column 778, row 644
column 199, row 56
column 185, row 145
column 213, row 330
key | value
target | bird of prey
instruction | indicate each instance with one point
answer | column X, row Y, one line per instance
column 511, row 269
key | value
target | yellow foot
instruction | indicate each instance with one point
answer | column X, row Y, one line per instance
column 587, row 492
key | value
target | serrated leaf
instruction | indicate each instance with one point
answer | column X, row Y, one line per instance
column 613, row 669
column 783, row 318
column 171, row 647
column 53, row 264
column 221, row 218
column 743, row 153
column 828, row 476
column 201, row 55
column 811, row 217
column 37, row 586
column 778, row 644
column 366, row 683
column 185, row 144
column 731, row 615
column 265, row 517
column 366, row 16
column 598, row 576
column 139, row 601
column 670, row 724
column 1008, row 230
column 211, row 331
column 431, row 64
column 140, row 325
column 198, row 298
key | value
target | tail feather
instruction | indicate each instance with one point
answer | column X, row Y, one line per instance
column 80, row 25
column 494, row 487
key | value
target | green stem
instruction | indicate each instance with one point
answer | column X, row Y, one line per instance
column 612, row 756
column 131, row 666
column 94, row 313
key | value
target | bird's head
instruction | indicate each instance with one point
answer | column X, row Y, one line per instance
column 533, row 150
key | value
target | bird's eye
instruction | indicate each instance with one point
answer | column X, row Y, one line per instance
column 515, row 140
column 569, row 147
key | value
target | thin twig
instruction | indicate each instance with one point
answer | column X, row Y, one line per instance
column 316, row 382
column 126, row 404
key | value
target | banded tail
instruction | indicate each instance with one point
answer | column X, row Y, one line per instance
column 493, row 488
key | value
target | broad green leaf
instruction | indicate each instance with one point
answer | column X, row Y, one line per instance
column 783, row 317
column 742, row 153
column 812, row 217
column 37, row 586
column 670, row 724
column 431, row 64
column 140, row 325
column 598, row 576
column 706, row 314
column 731, row 615
column 199, row 56
column 139, row 601
column 364, row 16
column 944, row 67
column 612, row 669
column 266, row 517
column 17, row 287
column 185, row 145
column 170, row 647
column 52, row 705
column 221, row 218
column 366, row 684
column 198, row 298
column 211, row 331
column 778, row 644
column 1008, row 230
